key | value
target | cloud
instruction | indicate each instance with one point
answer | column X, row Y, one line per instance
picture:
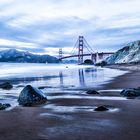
column 12, row 43
column 44, row 26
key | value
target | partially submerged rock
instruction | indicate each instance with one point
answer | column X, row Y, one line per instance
column 131, row 92
column 41, row 87
column 20, row 86
column 6, row 86
column 92, row 92
column 30, row 96
column 101, row 108
column 4, row 106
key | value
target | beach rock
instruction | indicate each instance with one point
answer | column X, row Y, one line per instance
column 101, row 108
column 41, row 87
column 131, row 92
column 20, row 86
column 4, row 106
column 30, row 96
column 6, row 86
column 92, row 92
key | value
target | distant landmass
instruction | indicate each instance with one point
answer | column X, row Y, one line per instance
column 129, row 54
column 70, row 61
column 13, row 55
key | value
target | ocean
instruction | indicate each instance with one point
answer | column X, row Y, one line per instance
column 52, row 78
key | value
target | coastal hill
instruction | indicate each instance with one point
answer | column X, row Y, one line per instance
column 129, row 54
column 13, row 55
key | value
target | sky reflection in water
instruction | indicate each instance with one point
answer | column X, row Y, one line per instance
column 56, row 75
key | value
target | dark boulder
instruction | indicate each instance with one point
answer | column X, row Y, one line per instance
column 4, row 106
column 131, row 92
column 103, row 63
column 101, row 108
column 88, row 62
column 6, row 86
column 92, row 92
column 30, row 96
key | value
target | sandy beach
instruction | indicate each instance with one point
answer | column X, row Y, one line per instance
column 72, row 116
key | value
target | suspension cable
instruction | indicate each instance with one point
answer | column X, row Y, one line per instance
column 88, row 46
column 75, row 47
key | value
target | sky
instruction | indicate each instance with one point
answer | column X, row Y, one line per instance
column 44, row 26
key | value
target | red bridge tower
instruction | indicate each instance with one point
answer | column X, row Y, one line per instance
column 80, row 49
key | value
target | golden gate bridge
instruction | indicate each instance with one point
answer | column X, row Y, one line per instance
column 80, row 45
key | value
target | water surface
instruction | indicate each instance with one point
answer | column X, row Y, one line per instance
column 53, row 78
column 57, row 75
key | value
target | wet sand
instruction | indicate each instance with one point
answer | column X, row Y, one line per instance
column 128, row 80
column 72, row 116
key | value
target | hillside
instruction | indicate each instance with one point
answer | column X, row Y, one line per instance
column 13, row 55
column 129, row 54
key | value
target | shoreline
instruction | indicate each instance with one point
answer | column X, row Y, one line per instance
column 124, row 67
column 128, row 80
column 72, row 116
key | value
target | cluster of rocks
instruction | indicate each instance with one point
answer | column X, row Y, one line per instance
column 131, row 92
column 4, row 106
column 99, row 108
column 29, row 96
column 5, row 86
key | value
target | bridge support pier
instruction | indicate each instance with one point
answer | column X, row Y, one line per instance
column 101, row 56
column 95, row 57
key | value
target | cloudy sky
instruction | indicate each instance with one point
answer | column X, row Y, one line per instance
column 44, row 26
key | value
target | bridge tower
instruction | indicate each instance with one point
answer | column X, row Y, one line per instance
column 60, row 53
column 80, row 49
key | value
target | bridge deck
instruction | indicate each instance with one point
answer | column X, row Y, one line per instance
column 103, row 53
